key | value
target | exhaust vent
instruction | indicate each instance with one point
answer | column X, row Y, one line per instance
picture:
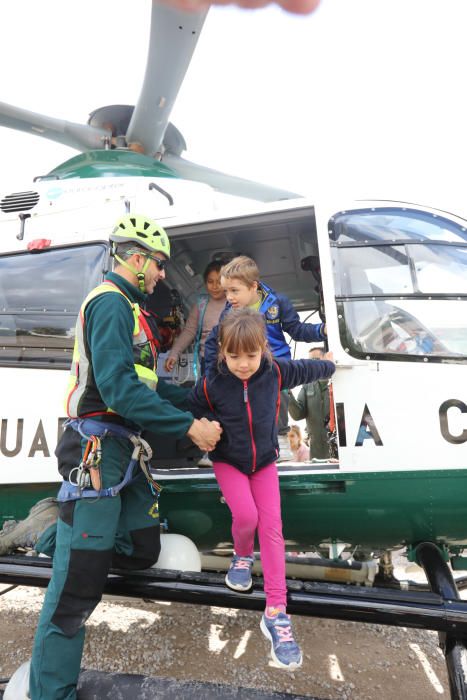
column 19, row 201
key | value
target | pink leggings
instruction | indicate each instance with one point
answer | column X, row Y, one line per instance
column 254, row 501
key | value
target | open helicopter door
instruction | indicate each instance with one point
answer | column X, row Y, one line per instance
column 395, row 290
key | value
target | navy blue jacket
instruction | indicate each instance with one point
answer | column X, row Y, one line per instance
column 280, row 316
column 247, row 410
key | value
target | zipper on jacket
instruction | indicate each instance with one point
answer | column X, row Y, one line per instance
column 250, row 422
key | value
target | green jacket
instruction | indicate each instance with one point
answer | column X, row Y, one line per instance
column 312, row 404
column 109, row 326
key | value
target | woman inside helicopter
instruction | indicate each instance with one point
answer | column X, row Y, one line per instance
column 203, row 316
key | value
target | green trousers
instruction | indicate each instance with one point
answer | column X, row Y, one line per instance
column 91, row 536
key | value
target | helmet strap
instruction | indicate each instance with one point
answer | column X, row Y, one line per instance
column 138, row 274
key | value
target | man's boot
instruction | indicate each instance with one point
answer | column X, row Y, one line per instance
column 25, row 533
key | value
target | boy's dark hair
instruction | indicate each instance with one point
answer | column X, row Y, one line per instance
column 214, row 265
column 243, row 330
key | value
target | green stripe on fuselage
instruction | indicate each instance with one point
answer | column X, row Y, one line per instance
column 371, row 509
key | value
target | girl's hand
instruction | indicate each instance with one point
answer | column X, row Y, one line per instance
column 329, row 356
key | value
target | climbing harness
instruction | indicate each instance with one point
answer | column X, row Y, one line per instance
column 88, row 471
column 84, row 481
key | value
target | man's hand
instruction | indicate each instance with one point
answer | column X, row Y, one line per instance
column 205, row 433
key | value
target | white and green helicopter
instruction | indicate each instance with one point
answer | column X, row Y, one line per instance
column 388, row 277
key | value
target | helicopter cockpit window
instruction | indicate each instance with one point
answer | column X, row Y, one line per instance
column 401, row 284
column 40, row 296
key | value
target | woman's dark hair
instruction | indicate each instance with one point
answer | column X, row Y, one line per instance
column 214, row 265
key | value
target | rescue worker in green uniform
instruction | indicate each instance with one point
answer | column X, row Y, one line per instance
column 313, row 404
column 108, row 505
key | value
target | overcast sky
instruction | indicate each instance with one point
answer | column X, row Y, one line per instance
column 364, row 97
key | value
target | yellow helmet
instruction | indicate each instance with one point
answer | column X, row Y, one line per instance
column 135, row 228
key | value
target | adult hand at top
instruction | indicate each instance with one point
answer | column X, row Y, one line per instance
column 299, row 7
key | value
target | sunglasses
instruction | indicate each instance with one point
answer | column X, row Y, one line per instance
column 161, row 264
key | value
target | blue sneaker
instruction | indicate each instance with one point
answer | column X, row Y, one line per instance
column 284, row 649
column 238, row 576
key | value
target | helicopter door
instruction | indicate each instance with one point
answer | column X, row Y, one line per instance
column 396, row 303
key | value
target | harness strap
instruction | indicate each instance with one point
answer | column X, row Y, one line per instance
column 87, row 427
column 152, row 340
column 142, row 453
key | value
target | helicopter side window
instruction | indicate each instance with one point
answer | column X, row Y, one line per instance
column 40, row 296
column 401, row 284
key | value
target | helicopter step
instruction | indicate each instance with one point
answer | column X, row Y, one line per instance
column 377, row 605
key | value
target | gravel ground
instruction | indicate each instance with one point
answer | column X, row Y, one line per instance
column 342, row 660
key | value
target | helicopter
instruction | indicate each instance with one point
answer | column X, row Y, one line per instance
column 388, row 277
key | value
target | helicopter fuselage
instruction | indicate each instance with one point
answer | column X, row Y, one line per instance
column 387, row 278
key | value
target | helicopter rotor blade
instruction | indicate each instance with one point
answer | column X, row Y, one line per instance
column 228, row 184
column 80, row 136
column 173, row 38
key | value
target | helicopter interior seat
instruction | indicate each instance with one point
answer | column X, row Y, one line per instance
column 160, row 301
column 362, row 316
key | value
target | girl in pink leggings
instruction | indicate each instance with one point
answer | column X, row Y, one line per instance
column 243, row 393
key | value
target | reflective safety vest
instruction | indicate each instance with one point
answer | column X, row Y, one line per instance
column 83, row 397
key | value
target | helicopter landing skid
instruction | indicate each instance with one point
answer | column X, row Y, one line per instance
column 454, row 647
column 439, row 609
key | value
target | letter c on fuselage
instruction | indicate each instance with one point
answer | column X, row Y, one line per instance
column 444, row 424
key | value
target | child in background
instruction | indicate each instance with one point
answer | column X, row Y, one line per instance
column 299, row 449
column 241, row 390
